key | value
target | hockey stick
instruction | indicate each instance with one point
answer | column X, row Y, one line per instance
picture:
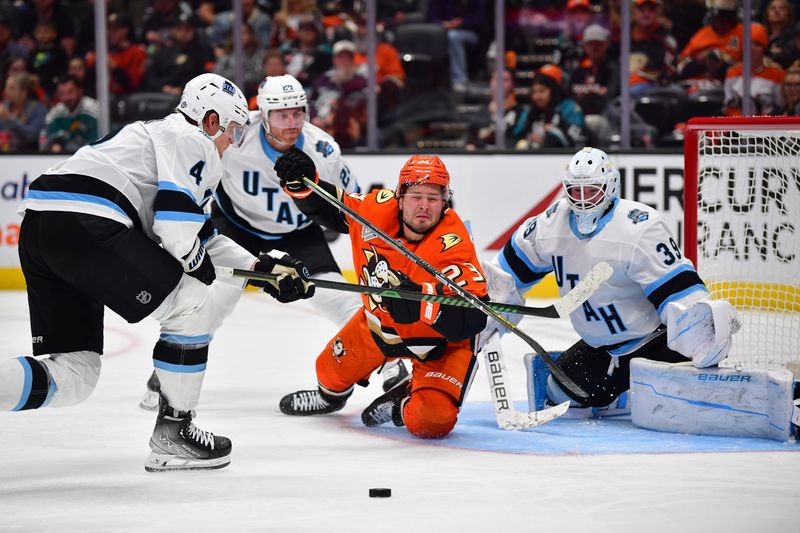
column 561, row 308
column 507, row 417
column 563, row 378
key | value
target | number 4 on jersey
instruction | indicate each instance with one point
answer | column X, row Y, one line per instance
column 197, row 171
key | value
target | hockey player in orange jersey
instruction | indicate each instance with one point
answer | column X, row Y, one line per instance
column 439, row 340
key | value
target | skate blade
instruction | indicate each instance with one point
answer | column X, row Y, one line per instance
column 150, row 401
column 170, row 463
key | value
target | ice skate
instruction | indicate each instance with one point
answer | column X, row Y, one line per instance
column 152, row 395
column 393, row 372
column 388, row 407
column 311, row 402
column 177, row 444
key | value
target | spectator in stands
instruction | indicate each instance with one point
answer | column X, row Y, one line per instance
column 286, row 21
column 715, row 46
column 336, row 84
column 653, row 49
column 790, row 91
column 184, row 56
column 595, row 82
column 463, row 20
column 9, row 47
column 126, row 60
column 273, row 64
column 77, row 67
column 21, row 115
column 159, row 18
column 260, row 24
column 390, row 75
column 683, row 18
column 551, row 121
column 482, row 133
column 765, row 83
column 578, row 17
column 779, row 21
column 30, row 14
column 252, row 58
column 307, row 56
column 72, row 122
column 47, row 60
column 349, row 123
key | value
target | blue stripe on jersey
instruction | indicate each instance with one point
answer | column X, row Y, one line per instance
column 75, row 197
column 605, row 219
column 26, row 385
column 524, row 272
column 654, row 285
column 271, row 152
column 180, row 369
column 625, row 346
column 179, row 216
column 186, row 339
column 681, row 294
column 170, row 186
column 235, row 222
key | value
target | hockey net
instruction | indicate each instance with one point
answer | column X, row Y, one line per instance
column 742, row 228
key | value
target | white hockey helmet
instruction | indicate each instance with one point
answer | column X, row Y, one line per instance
column 280, row 92
column 211, row 92
column 591, row 184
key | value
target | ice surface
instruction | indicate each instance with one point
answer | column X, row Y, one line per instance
column 81, row 468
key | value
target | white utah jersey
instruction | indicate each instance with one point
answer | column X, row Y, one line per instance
column 250, row 194
column 155, row 176
column 649, row 269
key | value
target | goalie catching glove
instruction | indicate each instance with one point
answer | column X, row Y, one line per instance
column 703, row 331
column 292, row 282
column 292, row 167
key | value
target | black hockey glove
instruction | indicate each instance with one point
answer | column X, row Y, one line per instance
column 401, row 310
column 197, row 264
column 292, row 167
column 293, row 281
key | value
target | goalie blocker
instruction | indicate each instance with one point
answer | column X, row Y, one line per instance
column 680, row 398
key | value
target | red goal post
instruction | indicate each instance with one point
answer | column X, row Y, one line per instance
column 742, row 227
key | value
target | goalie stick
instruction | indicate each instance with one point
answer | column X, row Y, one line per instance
column 556, row 370
column 560, row 309
column 507, row 417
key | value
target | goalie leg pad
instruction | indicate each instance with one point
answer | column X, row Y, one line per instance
column 680, row 398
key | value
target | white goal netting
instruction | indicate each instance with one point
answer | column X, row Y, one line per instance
column 748, row 237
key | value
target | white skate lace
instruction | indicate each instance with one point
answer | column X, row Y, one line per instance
column 309, row 400
column 205, row 438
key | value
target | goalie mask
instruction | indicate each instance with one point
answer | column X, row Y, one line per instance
column 211, row 92
column 282, row 102
column 591, row 184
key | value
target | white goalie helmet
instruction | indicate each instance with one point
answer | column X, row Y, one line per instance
column 212, row 92
column 280, row 92
column 591, row 184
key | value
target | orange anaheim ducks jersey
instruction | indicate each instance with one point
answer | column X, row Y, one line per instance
column 447, row 247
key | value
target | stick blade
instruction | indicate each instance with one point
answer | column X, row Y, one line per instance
column 584, row 290
column 516, row 420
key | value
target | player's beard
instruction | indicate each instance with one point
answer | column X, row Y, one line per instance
column 422, row 227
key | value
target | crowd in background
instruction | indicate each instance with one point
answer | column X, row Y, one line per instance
column 435, row 66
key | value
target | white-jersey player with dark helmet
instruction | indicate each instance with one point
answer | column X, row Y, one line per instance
column 628, row 316
column 121, row 224
column 251, row 208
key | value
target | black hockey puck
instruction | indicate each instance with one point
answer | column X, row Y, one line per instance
column 380, row 493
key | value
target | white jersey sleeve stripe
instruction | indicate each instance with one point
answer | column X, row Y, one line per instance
column 170, row 186
column 655, row 285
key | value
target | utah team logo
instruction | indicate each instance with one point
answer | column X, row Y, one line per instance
column 227, row 87
column 338, row 350
column 144, row 297
column 637, row 215
column 449, row 240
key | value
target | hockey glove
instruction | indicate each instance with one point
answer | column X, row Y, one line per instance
column 403, row 311
column 292, row 167
column 197, row 264
column 292, row 282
